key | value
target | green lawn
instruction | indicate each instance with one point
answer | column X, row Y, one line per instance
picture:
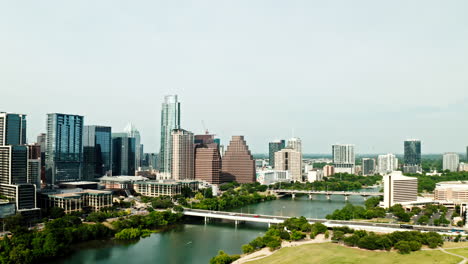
column 333, row 253
column 455, row 244
column 459, row 251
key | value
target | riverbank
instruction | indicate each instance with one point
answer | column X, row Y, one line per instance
column 265, row 252
column 335, row 253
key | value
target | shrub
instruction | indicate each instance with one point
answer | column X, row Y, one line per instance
column 223, row 258
column 403, row 247
column 247, row 248
column 414, row 245
column 337, row 236
column 297, row 235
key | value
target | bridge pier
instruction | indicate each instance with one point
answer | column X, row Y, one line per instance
column 206, row 219
column 346, row 197
column 269, row 225
column 328, row 197
column 365, row 198
column 294, row 196
column 236, row 222
column 310, row 196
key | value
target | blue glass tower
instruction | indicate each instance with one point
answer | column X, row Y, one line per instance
column 97, row 151
column 170, row 120
column 64, row 149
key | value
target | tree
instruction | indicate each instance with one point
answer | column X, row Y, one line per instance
column 223, row 258
column 297, row 235
column 56, row 212
column 403, row 247
column 247, row 248
column 414, row 245
column 337, row 236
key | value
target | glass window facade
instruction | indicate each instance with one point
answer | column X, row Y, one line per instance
column 64, row 149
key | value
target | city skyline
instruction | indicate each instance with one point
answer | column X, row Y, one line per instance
column 318, row 69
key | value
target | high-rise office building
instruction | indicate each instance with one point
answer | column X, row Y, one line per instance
column 273, row 147
column 64, row 150
column 34, row 172
column 97, row 152
column 13, row 164
column 368, row 166
column 399, row 188
column 412, row 156
column 238, row 163
column 12, row 129
column 207, row 159
column 295, row 144
column 182, row 155
column 451, row 161
column 170, row 120
column 14, row 173
column 412, row 152
column 131, row 130
column 289, row 160
column 123, row 154
column 343, row 158
column 387, row 164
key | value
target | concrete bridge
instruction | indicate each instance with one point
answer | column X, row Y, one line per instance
column 346, row 194
column 271, row 219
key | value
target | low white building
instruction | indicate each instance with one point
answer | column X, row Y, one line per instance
column 454, row 191
column 268, row 177
column 399, row 189
column 314, row 175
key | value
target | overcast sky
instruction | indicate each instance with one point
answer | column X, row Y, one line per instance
column 370, row 73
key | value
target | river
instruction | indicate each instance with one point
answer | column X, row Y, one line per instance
column 195, row 242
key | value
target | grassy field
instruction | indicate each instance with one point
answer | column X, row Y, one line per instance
column 332, row 253
column 455, row 244
column 459, row 251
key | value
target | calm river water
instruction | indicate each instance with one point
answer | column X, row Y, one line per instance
column 197, row 243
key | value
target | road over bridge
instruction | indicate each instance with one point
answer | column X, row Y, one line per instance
column 272, row 219
column 327, row 193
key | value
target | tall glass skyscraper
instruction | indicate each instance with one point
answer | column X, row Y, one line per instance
column 12, row 129
column 97, row 151
column 123, row 154
column 170, row 120
column 412, row 152
column 273, row 147
column 64, row 151
column 131, row 130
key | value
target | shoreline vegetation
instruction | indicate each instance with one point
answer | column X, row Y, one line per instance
column 298, row 229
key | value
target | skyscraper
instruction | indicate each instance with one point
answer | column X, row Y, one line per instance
column 207, row 159
column 131, row 130
column 412, row 152
column 97, row 151
column 387, row 163
column 123, row 154
column 12, row 129
column 289, row 160
column 15, row 177
column 343, row 158
column 237, row 163
column 13, row 164
column 295, row 143
column 273, row 147
column 182, row 155
column 170, row 120
column 368, row 166
column 451, row 161
column 64, row 151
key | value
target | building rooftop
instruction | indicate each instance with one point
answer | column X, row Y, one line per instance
column 123, row 178
column 70, row 195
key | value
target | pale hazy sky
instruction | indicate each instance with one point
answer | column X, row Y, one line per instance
column 370, row 73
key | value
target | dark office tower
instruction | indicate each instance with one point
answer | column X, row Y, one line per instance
column 170, row 120
column 123, row 154
column 275, row 146
column 34, row 172
column 12, row 129
column 368, row 166
column 34, row 151
column 13, row 164
column 97, row 152
column 237, row 163
column 412, row 152
column 207, row 159
column 64, row 150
